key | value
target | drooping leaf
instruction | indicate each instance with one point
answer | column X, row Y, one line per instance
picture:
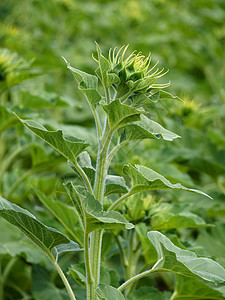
column 96, row 218
column 145, row 179
column 184, row 262
column 121, row 114
column 115, row 185
column 66, row 215
column 46, row 238
column 78, row 273
column 107, row 292
column 69, row 147
column 43, row 288
column 191, row 288
column 148, row 129
column 92, row 212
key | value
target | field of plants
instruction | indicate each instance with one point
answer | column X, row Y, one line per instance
column 112, row 150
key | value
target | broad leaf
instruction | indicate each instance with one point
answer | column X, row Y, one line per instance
column 184, row 262
column 145, row 179
column 120, row 114
column 148, row 129
column 191, row 288
column 69, row 147
column 66, row 215
column 44, row 237
column 106, row 292
column 115, row 185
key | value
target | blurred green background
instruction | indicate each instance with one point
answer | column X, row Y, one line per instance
column 186, row 37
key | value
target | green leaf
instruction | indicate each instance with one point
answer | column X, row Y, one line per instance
column 115, row 185
column 44, row 237
column 66, row 215
column 162, row 95
column 191, row 288
column 145, row 179
column 121, row 114
column 86, row 165
column 146, row 129
column 184, row 262
column 96, row 218
column 167, row 216
column 77, row 198
column 42, row 286
column 78, row 273
column 106, row 292
column 103, row 70
column 12, row 244
column 92, row 212
column 69, row 147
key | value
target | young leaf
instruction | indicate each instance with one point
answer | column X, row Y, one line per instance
column 147, row 128
column 107, row 292
column 121, row 114
column 145, row 179
column 184, row 262
column 44, row 237
column 69, row 147
column 114, row 185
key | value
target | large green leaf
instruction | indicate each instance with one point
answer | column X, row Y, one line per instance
column 121, row 114
column 69, row 147
column 106, row 292
column 148, row 129
column 92, row 214
column 66, row 215
column 46, row 238
column 145, row 179
column 184, row 262
column 191, row 288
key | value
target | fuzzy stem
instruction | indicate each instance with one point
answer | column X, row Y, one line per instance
column 65, row 281
column 89, row 278
column 118, row 201
column 84, row 177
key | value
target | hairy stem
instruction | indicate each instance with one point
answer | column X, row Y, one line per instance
column 118, row 201
column 89, row 277
column 84, row 177
column 65, row 281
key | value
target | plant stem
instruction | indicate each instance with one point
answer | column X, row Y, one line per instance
column 84, row 176
column 89, row 277
column 96, row 236
column 139, row 276
column 118, row 201
column 65, row 281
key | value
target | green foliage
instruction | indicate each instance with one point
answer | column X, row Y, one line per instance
column 117, row 143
